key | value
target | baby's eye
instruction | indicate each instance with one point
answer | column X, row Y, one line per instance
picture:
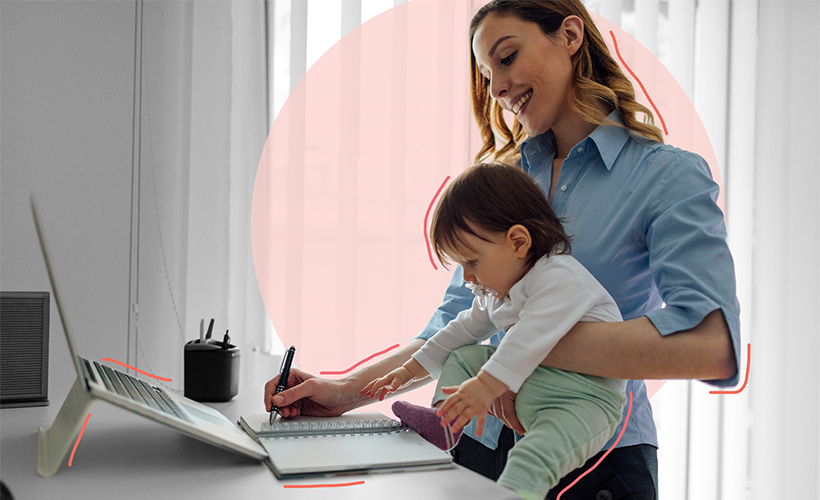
column 509, row 59
column 472, row 263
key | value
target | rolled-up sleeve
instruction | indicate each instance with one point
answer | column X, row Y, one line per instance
column 690, row 261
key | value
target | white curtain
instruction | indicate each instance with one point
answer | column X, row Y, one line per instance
column 229, row 127
column 785, row 240
column 201, row 89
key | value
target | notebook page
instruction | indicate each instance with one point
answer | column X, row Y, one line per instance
column 363, row 453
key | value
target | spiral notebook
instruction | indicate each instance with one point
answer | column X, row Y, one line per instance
column 355, row 443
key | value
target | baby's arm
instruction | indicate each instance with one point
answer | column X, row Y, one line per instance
column 411, row 370
column 473, row 398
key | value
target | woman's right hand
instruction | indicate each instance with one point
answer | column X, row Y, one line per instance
column 503, row 408
column 308, row 395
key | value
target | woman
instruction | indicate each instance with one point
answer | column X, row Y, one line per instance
column 642, row 216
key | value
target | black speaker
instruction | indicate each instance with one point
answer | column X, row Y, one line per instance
column 24, row 349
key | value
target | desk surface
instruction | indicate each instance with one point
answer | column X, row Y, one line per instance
column 124, row 456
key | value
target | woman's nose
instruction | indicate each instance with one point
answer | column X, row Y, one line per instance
column 498, row 87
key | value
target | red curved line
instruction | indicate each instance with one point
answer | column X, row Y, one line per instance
column 617, row 51
column 746, row 380
column 71, row 458
column 137, row 370
column 426, row 215
column 628, row 412
column 365, row 360
column 337, row 485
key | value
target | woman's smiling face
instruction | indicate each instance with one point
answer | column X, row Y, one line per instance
column 529, row 72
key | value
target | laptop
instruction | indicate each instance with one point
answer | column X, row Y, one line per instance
column 100, row 382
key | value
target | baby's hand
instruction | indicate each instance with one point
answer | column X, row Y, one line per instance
column 473, row 398
column 391, row 382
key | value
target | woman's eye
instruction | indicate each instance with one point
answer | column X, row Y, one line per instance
column 509, row 59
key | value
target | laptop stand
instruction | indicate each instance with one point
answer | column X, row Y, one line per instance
column 54, row 442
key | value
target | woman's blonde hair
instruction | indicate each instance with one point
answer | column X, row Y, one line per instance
column 597, row 79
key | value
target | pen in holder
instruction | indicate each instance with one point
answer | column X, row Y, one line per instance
column 211, row 370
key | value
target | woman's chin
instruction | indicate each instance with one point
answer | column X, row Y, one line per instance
column 530, row 129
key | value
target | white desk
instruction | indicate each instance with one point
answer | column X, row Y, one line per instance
column 122, row 456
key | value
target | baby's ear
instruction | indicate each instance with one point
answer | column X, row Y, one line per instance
column 519, row 237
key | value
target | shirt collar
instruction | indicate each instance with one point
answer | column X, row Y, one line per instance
column 609, row 138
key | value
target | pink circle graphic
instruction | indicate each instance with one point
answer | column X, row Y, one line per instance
column 350, row 166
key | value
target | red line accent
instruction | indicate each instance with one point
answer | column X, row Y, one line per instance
column 426, row 216
column 137, row 369
column 628, row 412
column 71, row 458
column 337, row 485
column 365, row 360
column 617, row 51
column 746, row 380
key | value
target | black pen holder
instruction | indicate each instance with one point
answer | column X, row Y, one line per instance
column 211, row 371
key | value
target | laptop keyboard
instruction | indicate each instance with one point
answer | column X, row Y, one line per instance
column 135, row 389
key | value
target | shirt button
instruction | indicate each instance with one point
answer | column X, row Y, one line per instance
column 580, row 149
column 564, row 187
column 603, row 495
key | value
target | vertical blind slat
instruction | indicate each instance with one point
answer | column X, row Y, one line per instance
column 298, row 41
column 611, row 10
column 710, row 92
column 646, row 26
column 740, row 227
column 347, row 182
column 681, row 41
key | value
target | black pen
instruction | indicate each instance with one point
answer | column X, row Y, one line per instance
column 226, row 341
column 284, row 373
column 210, row 329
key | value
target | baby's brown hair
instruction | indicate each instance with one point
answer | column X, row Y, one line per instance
column 493, row 197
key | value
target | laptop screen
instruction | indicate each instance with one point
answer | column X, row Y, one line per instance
column 69, row 336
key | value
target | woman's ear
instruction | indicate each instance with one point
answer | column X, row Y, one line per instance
column 520, row 240
column 572, row 28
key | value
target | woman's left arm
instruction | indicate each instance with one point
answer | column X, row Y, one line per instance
column 635, row 349
column 695, row 335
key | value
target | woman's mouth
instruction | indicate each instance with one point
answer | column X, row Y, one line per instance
column 520, row 102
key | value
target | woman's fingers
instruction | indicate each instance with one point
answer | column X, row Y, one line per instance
column 504, row 409
column 479, row 427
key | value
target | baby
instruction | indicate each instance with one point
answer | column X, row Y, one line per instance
column 496, row 223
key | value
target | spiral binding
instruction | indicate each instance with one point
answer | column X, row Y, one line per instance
column 298, row 429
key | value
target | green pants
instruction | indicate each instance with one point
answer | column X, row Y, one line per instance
column 568, row 418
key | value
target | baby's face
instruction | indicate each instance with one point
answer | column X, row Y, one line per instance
column 489, row 262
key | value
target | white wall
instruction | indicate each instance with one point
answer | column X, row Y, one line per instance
column 66, row 117
column 142, row 115
column 95, row 107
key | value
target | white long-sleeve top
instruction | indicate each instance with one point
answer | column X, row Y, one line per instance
column 541, row 307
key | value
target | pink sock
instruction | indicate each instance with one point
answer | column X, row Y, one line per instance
column 427, row 424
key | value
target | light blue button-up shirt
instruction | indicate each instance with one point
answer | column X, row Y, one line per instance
column 644, row 221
